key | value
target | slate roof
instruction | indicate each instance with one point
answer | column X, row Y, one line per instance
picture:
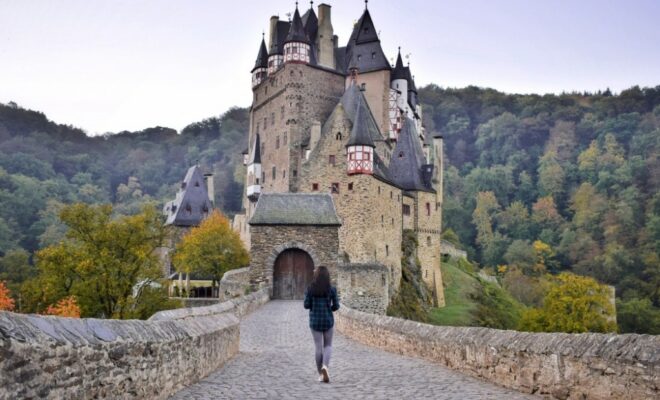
column 191, row 204
column 311, row 24
column 281, row 30
column 297, row 32
column 350, row 100
column 255, row 156
column 399, row 71
column 407, row 160
column 363, row 49
column 295, row 209
column 362, row 126
column 262, row 57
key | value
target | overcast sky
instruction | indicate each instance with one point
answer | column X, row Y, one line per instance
column 131, row 64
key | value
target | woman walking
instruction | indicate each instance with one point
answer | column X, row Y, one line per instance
column 321, row 301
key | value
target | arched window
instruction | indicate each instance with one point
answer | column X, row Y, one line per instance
column 338, row 136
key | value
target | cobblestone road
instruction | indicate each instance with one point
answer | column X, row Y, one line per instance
column 276, row 361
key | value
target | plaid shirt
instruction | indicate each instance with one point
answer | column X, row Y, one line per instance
column 321, row 309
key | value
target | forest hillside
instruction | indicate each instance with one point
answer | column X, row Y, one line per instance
column 533, row 184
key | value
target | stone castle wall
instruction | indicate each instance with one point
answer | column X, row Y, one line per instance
column 377, row 92
column 364, row 287
column 268, row 241
column 427, row 229
column 556, row 365
column 70, row 358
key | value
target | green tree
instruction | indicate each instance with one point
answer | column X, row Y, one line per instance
column 100, row 262
column 211, row 249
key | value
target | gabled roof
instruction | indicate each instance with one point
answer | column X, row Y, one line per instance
column 262, row 57
column 255, row 156
column 364, row 30
column 311, row 24
column 350, row 100
column 297, row 32
column 407, row 160
column 362, row 126
column 363, row 49
column 281, row 31
column 295, row 209
column 191, row 204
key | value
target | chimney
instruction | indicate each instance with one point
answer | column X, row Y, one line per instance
column 273, row 31
column 210, row 187
column 325, row 40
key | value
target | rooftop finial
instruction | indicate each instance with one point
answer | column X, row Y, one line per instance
column 296, row 5
column 366, row 4
column 311, row 4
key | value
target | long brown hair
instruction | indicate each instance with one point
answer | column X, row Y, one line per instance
column 320, row 286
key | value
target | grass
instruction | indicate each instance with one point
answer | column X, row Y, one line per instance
column 459, row 308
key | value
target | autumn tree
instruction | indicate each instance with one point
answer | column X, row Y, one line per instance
column 211, row 249
column 6, row 302
column 66, row 307
column 573, row 304
column 100, row 261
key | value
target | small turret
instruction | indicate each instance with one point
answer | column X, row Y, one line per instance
column 400, row 83
column 360, row 146
column 254, row 171
column 297, row 47
column 260, row 70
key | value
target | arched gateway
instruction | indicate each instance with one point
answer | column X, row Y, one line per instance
column 292, row 273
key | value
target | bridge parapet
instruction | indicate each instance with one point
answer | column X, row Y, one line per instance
column 53, row 357
column 557, row 365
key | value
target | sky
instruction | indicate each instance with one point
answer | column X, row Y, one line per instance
column 113, row 65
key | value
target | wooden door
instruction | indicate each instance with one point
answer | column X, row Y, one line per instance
column 292, row 273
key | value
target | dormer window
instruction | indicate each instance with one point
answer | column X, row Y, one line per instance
column 188, row 209
column 196, row 183
column 183, row 185
column 205, row 209
column 373, row 55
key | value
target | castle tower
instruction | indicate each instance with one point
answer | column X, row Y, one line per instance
column 254, row 171
column 297, row 47
column 260, row 70
column 360, row 146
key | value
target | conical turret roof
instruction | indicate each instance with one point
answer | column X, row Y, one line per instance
column 297, row 32
column 407, row 160
column 360, row 134
column 399, row 71
column 262, row 57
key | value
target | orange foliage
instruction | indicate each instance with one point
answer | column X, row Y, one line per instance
column 67, row 307
column 6, row 302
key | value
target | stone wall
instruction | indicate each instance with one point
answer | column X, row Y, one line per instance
column 364, row 287
column 268, row 241
column 69, row 358
column 234, row 283
column 427, row 228
column 556, row 365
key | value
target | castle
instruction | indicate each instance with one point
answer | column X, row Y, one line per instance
column 338, row 164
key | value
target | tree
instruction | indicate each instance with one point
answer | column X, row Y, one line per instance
column 100, row 262
column 6, row 302
column 211, row 249
column 551, row 176
column 573, row 304
column 15, row 268
column 67, row 307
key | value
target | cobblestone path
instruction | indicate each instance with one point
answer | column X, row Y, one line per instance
column 276, row 361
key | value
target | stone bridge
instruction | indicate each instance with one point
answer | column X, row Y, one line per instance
column 195, row 353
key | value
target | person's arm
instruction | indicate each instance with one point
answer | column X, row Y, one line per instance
column 308, row 301
column 335, row 300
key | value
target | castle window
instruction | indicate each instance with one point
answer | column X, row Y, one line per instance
column 382, row 220
column 331, row 159
column 283, row 174
column 188, row 209
column 352, row 279
column 350, row 186
column 437, row 206
column 295, row 173
column 428, row 240
column 257, row 181
column 282, row 113
column 265, row 122
column 398, row 197
column 406, row 209
column 315, row 187
column 401, row 154
column 428, row 208
column 391, row 194
column 378, row 189
column 334, row 188
column 392, row 221
column 196, row 184
column 383, row 279
column 183, row 185
column 266, row 90
column 363, row 86
column 338, row 136
column 205, row 209
column 373, row 55
column 387, row 250
column 285, row 139
column 426, row 273
column 277, row 142
column 274, row 172
column 263, row 177
column 272, row 118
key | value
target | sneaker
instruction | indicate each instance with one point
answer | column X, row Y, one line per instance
column 325, row 374
column 321, row 378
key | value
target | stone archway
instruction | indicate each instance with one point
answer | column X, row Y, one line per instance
column 293, row 271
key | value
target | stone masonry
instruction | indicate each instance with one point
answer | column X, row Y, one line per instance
column 556, row 365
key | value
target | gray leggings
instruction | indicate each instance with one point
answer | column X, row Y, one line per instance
column 323, row 344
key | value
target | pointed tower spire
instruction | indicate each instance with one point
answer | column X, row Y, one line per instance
column 360, row 145
column 399, row 71
column 260, row 70
column 297, row 48
column 254, row 171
